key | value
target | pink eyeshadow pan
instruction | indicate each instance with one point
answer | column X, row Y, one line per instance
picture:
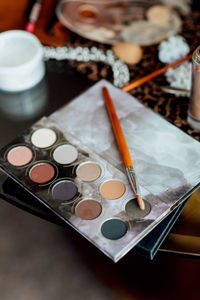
column 19, row 156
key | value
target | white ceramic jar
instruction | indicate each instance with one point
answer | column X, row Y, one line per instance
column 21, row 60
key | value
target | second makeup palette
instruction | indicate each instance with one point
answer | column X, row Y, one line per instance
column 83, row 189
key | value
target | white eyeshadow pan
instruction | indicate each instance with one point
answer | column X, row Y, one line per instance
column 43, row 137
column 65, row 154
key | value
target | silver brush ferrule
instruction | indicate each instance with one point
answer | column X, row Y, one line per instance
column 133, row 179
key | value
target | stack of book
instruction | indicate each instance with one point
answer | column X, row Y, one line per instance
column 166, row 161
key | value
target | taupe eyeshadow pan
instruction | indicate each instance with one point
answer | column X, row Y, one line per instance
column 88, row 171
column 88, row 209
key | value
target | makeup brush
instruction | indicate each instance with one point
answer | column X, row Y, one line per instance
column 176, row 91
column 34, row 16
column 123, row 148
column 133, row 84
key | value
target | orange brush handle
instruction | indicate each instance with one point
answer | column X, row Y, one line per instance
column 132, row 85
column 119, row 136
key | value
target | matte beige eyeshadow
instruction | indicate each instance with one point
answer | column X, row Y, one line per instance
column 128, row 52
column 88, row 171
column 19, row 156
column 112, row 189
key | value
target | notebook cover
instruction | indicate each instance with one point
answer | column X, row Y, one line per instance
column 166, row 160
column 149, row 246
column 184, row 238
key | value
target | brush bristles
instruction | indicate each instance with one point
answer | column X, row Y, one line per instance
column 140, row 202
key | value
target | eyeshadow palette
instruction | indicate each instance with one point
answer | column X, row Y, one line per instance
column 71, row 164
column 79, row 186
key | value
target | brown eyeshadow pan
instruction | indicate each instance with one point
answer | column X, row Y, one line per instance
column 88, row 209
column 42, row 173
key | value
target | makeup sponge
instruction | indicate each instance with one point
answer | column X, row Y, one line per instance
column 159, row 14
column 128, row 52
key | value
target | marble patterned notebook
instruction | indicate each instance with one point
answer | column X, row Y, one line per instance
column 166, row 160
column 69, row 161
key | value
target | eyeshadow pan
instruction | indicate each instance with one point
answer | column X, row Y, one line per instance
column 88, row 171
column 133, row 210
column 65, row 154
column 88, row 209
column 112, row 189
column 43, row 137
column 42, row 173
column 19, row 156
column 64, row 190
column 114, row 229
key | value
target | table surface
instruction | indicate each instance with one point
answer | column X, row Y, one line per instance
column 165, row 277
column 134, row 277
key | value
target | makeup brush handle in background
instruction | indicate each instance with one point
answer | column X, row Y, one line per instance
column 120, row 139
column 132, row 85
column 34, row 15
column 175, row 91
column 53, row 18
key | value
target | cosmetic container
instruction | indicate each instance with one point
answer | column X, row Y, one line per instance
column 194, row 105
column 21, row 60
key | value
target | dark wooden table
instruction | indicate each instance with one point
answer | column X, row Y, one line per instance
column 134, row 277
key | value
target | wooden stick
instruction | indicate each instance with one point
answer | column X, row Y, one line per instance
column 123, row 148
column 133, row 84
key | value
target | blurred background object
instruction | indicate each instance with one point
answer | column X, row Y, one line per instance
column 39, row 260
column 25, row 105
column 114, row 21
column 21, row 60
